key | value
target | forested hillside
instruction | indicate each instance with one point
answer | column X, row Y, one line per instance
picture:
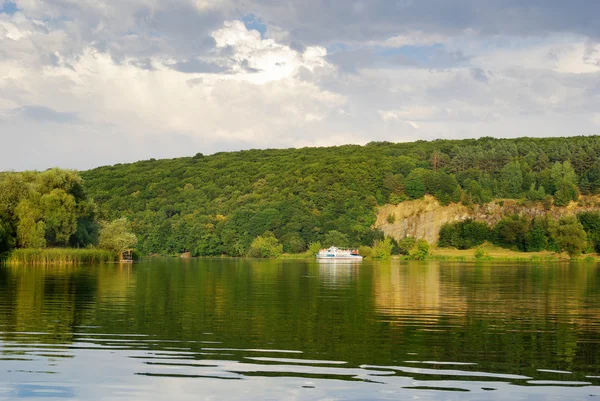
column 218, row 204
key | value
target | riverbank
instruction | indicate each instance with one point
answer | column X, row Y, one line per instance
column 493, row 253
column 487, row 252
column 55, row 256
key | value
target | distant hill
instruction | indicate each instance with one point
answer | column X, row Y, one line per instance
column 217, row 204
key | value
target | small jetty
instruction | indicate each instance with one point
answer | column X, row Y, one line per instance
column 127, row 256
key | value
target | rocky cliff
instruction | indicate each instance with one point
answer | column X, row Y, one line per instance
column 423, row 218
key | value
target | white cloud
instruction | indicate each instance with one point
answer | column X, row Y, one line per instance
column 101, row 82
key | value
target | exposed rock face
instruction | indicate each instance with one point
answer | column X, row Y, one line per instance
column 423, row 218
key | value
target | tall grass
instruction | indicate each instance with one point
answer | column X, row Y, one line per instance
column 52, row 256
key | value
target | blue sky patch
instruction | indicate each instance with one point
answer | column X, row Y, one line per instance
column 8, row 7
column 253, row 23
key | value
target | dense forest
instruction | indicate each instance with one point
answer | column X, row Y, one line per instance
column 223, row 203
column 218, row 204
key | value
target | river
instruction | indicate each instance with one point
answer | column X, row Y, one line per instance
column 226, row 329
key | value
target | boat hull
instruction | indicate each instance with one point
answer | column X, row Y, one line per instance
column 350, row 258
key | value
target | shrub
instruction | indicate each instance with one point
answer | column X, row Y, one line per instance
column 391, row 218
column 420, row 250
column 314, row 248
column 480, row 253
column 382, row 249
column 569, row 235
column 365, row 251
column 265, row 246
column 464, row 235
column 405, row 245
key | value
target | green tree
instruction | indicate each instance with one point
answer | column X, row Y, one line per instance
column 536, row 239
column 59, row 211
column 336, row 238
column 116, row 236
column 31, row 228
column 265, row 246
column 6, row 240
column 512, row 180
column 564, row 181
column 510, row 232
column 591, row 224
column 569, row 235
column 414, row 184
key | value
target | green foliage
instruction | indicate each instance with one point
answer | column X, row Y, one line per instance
column 591, row 224
column 218, row 204
column 534, row 194
column 420, row 251
column 480, row 253
column 569, row 235
column 405, row 245
column 116, row 236
column 510, row 232
column 463, row 235
column 365, row 251
column 335, row 238
column 511, row 180
column 382, row 249
column 536, row 239
column 265, row 246
column 49, row 208
column 314, row 248
column 415, row 184
column 6, row 241
column 391, row 218
column 564, row 181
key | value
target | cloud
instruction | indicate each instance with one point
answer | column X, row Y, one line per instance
column 101, row 82
column 46, row 114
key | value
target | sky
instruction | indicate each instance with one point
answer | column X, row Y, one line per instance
column 85, row 83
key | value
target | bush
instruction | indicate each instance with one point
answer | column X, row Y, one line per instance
column 314, row 248
column 391, row 218
column 510, row 232
column 365, row 251
column 464, row 235
column 420, row 250
column 265, row 246
column 405, row 245
column 480, row 253
column 382, row 249
column 569, row 235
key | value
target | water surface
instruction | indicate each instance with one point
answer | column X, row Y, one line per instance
column 255, row 330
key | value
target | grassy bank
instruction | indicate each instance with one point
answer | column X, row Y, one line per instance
column 493, row 253
column 52, row 256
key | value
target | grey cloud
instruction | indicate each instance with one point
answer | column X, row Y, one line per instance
column 351, row 61
column 45, row 114
column 198, row 66
column 328, row 21
column 480, row 75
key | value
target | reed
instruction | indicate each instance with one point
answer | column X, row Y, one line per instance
column 53, row 256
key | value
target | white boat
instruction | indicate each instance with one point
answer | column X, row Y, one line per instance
column 333, row 253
